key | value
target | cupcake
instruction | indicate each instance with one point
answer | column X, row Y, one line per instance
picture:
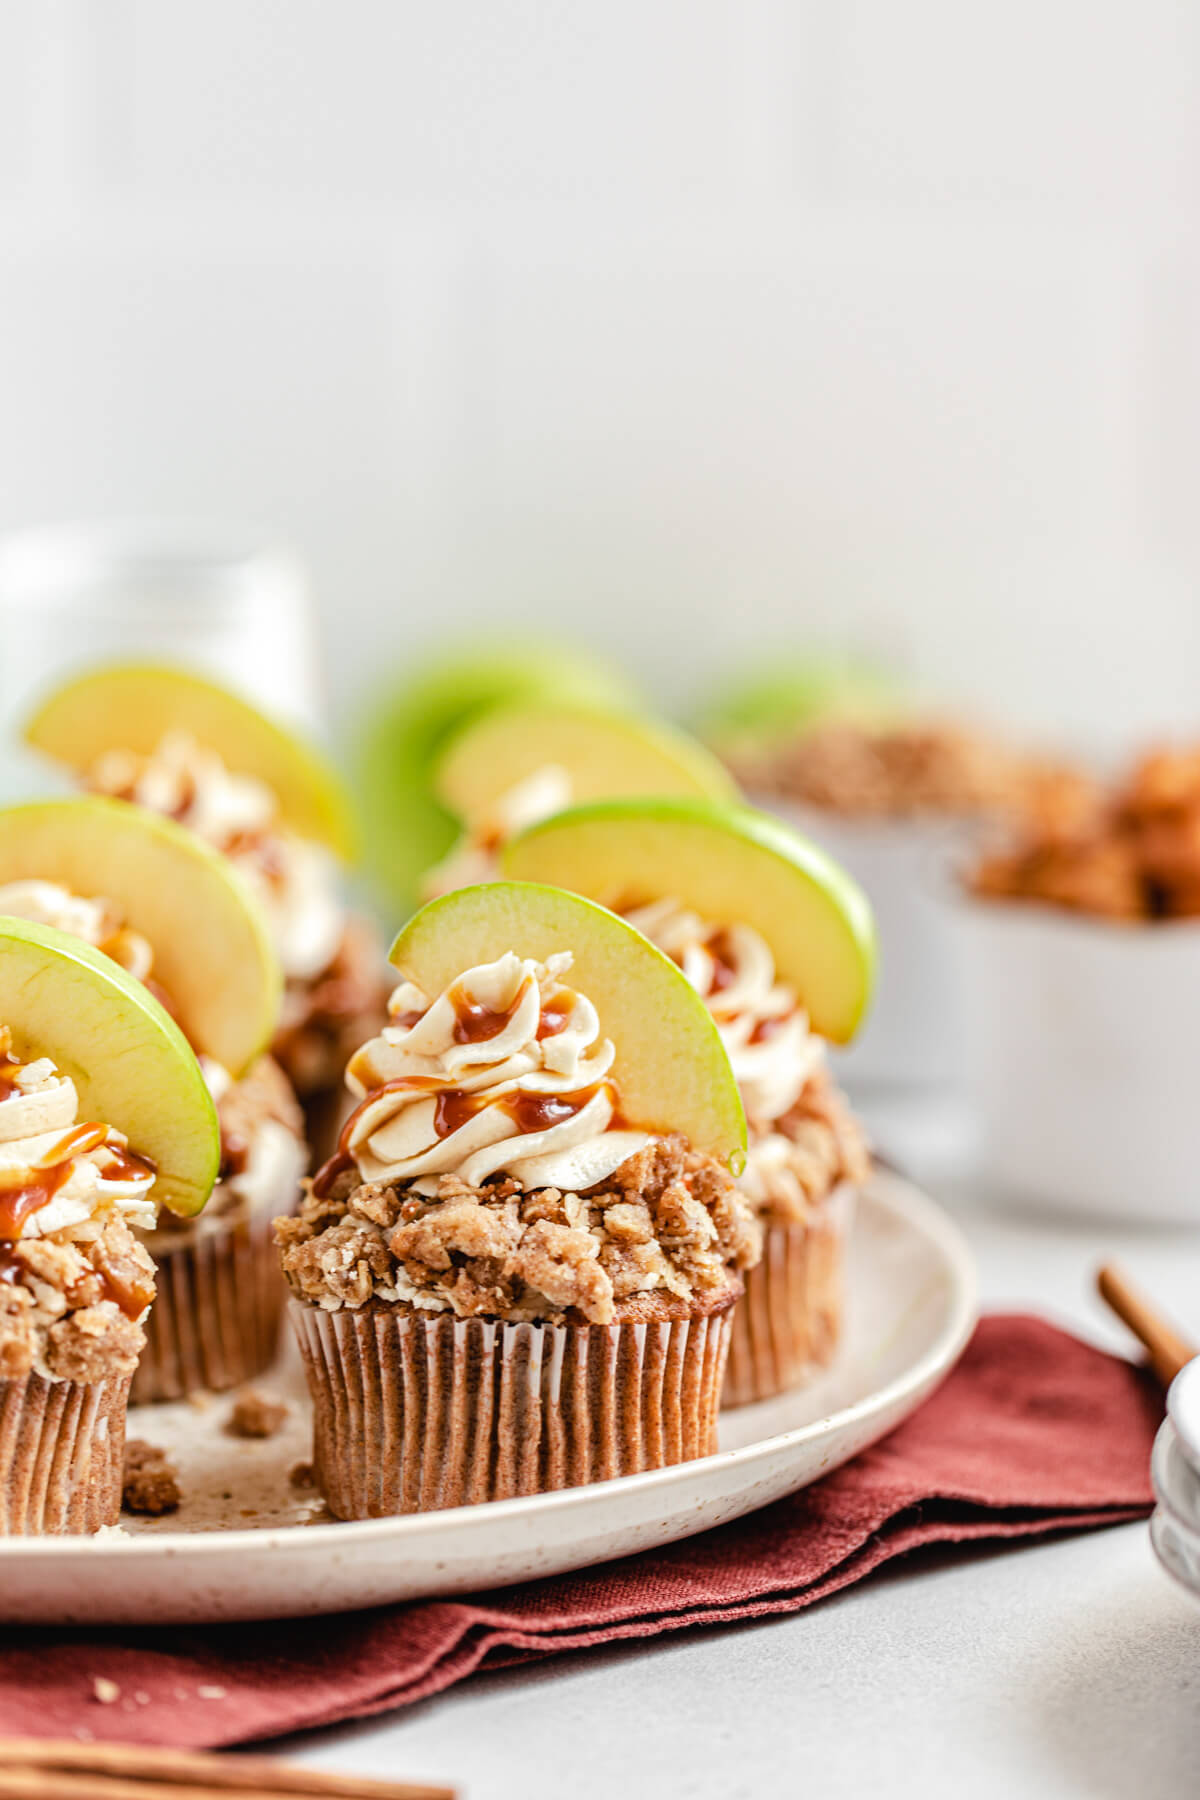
column 185, row 748
column 519, row 1271
column 155, row 900
column 524, row 761
column 778, row 942
column 103, row 1116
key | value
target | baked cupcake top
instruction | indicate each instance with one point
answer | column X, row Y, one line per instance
column 74, row 1282
column 489, row 1168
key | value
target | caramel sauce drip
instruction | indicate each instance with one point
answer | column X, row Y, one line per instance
column 130, row 1288
column 556, row 1015
column 769, row 1028
column 21, row 1198
column 477, row 1024
column 406, row 1020
column 10, row 1268
column 9, row 1066
column 724, row 968
column 528, row 1112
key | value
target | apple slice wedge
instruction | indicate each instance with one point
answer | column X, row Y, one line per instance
column 671, row 1068
column 131, row 706
column 213, row 953
column 407, row 829
column 606, row 755
column 130, row 1063
column 733, row 865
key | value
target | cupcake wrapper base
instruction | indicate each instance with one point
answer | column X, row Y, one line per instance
column 216, row 1319
column 62, row 1450
column 787, row 1324
column 412, row 1413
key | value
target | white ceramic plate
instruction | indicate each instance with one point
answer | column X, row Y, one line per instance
column 247, row 1545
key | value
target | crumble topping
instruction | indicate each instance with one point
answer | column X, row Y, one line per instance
column 903, row 770
column 325, row 1019
column 256, row 1415
column 1133, row 855
column 668, row 1223
column 71, row 1305
column 151, row 1483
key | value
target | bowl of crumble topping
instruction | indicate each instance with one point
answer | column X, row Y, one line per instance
column 1078, row 950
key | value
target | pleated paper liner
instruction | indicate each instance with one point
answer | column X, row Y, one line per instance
column 787, row 1325
column 413, row 1412
column 216, row 1319
column 62, row 1446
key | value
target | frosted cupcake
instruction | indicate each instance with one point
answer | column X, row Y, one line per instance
column 167, row 909
column 520, row 1270
column 191, row 751
column 778, row 942
column 82, row 1045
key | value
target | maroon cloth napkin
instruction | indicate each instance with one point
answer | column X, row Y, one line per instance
column 1034, row 1432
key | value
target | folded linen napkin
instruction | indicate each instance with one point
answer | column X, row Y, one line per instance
column 1034, row 1432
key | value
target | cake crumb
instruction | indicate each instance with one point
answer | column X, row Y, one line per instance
column 302, row 1475
column 200, row 1399
column 211, row 1693
column 256, row 1415
column 151, row 1482
column 104, row 1690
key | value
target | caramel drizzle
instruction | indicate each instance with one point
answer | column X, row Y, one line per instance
column 10, row 1067
column 21, row 1198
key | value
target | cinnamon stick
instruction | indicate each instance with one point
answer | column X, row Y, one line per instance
column 63, row 1769
column 1167, row 1350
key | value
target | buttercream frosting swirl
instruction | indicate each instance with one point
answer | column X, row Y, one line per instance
column 763, row 1026
column 505, row 1071
column 294, row 881
column 473, row 859
column 56, row 1173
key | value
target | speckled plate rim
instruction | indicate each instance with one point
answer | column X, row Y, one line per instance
column 892, row 1193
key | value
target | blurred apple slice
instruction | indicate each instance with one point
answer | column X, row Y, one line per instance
column 131, row 706
column 130, row 1063
column 732, row 865
column 213, row 954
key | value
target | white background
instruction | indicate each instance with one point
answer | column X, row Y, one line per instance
column 681, row 325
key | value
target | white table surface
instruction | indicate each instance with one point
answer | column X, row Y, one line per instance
column 1045, row 1670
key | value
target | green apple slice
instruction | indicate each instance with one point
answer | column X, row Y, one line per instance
column 131, row 706
column 406, row 829
column 130, row 1063
column 671, row 1067
column 213, row 953
column 733, row 865
column 605, row 754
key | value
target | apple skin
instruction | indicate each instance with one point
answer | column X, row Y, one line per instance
column 213, row 952
column 671, row 1067
column 405, row 827
column 131, row 706
column 606, row 754
column 130, row 1062
column 733, row 865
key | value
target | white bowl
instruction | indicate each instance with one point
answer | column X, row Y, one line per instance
column 1081, row 1058
column 913, row 1037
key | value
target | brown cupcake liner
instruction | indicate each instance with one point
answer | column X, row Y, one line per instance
column 62, row 1449
column 412, row 1412
column 788, row 1323
column 216, row 1319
